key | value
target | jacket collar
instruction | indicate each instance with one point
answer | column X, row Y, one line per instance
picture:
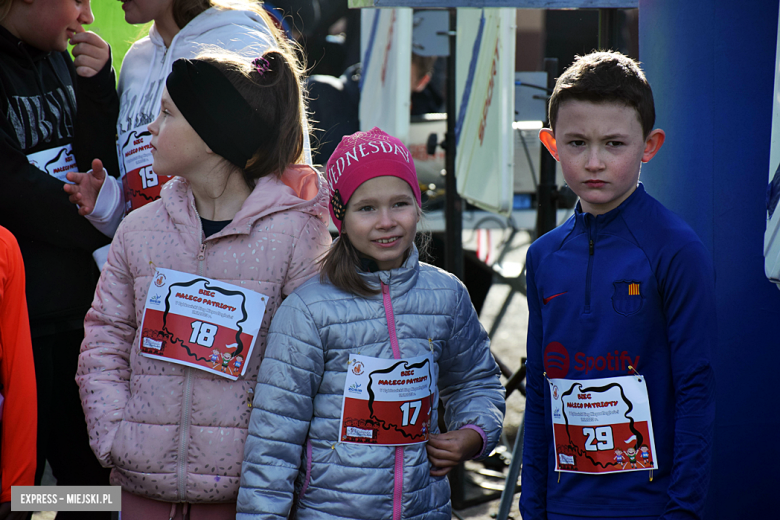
column 11, row 45
column 300, row 188
column 400, row 280
column 600, row 221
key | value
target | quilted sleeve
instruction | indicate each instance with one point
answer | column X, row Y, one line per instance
column 103, row 373
column 289, row 378
column 469, row 383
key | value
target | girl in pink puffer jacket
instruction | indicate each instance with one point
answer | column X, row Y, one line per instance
column 177, row 329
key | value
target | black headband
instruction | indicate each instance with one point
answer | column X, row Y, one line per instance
column 216, row 111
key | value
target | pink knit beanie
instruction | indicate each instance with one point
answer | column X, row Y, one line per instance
column 363, row 156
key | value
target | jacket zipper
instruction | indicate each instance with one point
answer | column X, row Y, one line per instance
column 388, row 303
column 398, row 485
column 591, row 250
column 185, row 420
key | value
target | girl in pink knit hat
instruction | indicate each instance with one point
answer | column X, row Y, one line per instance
column 359, row 358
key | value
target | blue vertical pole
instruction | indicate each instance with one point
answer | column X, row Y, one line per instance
column 711, row 66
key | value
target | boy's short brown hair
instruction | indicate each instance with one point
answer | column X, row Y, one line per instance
column 605, row 77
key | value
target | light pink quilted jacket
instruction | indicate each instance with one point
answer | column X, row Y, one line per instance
column 170, row 432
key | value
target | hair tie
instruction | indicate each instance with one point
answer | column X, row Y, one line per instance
column 261, row 65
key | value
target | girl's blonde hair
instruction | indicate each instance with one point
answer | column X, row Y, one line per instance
column 277, row 95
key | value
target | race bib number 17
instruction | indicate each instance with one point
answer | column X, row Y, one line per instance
column 201, row 323
column 387, row 401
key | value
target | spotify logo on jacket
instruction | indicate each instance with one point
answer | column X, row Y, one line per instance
column 557, row 362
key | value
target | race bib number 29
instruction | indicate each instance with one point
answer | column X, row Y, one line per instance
column 602, row 425
column 201, row 323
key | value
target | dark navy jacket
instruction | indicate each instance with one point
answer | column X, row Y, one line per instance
column 584, row 323
column 39, row 93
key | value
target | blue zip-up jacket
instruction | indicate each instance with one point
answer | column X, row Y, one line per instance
column 578, row 299
column 293, row 442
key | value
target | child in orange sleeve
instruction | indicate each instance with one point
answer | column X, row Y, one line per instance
column 18, row 409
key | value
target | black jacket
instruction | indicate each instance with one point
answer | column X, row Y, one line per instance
column 39, row 93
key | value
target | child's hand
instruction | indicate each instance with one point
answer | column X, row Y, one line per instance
column 90, row 53
column 85, row 191
column 447, row 450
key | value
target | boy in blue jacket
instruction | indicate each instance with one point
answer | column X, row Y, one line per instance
column 620, row 405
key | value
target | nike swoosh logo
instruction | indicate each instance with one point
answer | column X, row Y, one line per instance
column 547, row 300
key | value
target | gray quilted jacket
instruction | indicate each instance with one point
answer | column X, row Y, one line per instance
column 293, row 453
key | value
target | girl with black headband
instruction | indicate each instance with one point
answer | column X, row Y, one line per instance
column 177, row 329
column 181, row 29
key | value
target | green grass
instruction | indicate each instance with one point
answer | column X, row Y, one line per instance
column 111, row 26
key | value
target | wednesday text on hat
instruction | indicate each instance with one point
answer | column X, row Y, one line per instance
column 335, row 171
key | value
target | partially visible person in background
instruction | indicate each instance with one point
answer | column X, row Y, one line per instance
column 53, row 114
column 18, row 405
column 181, row 29
column 335, row 102
column 328, row 31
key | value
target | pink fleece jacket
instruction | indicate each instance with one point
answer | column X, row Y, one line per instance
column 170, row 432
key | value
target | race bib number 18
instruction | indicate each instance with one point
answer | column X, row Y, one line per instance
column 602, row 425
column 387, row 401
column 200, row 322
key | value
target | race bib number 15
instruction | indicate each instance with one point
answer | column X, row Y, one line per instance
column 140, row 183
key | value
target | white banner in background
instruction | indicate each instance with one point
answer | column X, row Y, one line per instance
column 385, row 85
column 485, row 74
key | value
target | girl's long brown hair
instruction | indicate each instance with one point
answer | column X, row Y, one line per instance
column 341, row 263
column 275, row 95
